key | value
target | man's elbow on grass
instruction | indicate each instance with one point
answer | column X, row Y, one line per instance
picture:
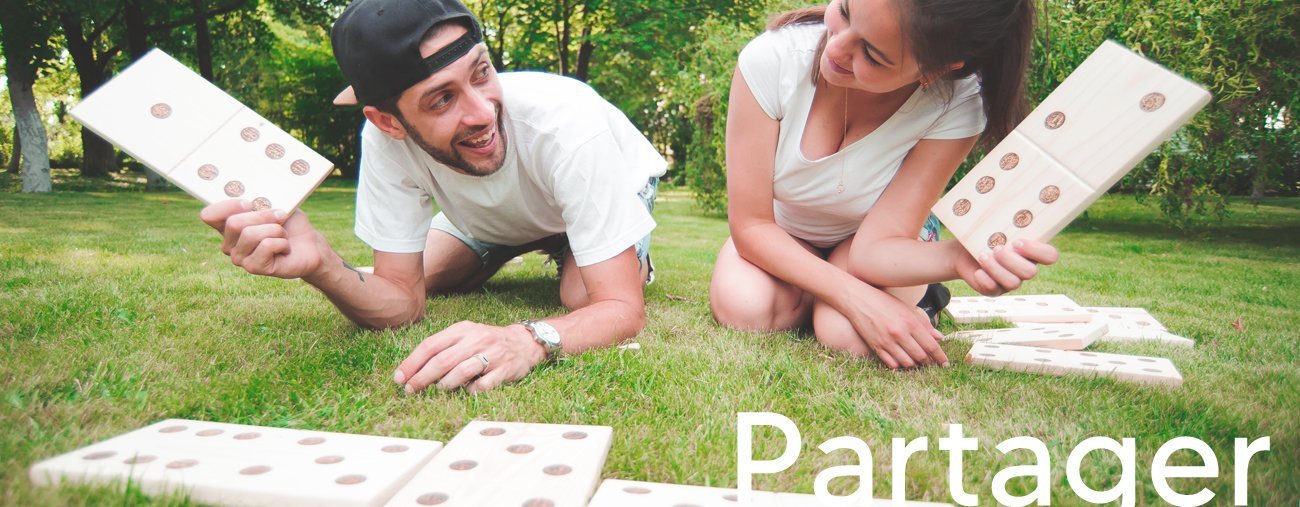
column 637, row 318
column 411, row 313
column 630, row 320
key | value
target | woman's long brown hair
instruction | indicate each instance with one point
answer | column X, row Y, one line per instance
column 992, row 37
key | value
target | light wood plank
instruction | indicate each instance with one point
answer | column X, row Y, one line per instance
column 235, row 464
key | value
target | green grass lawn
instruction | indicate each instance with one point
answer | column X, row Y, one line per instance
column 117, row 309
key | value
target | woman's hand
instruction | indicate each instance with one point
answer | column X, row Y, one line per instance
column 1006, row 267
column 898, row 333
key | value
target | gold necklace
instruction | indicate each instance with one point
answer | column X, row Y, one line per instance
column 844, row 137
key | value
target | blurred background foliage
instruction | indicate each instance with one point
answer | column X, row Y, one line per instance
column 667, row 64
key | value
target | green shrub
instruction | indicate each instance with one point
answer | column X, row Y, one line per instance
column 698, row 96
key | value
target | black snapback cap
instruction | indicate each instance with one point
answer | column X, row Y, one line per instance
column 377, row 45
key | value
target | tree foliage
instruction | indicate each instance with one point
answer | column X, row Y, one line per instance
column 628, row 50
column 297, row 83
column 668, row 65
column 693, row 110
column 1245, row 52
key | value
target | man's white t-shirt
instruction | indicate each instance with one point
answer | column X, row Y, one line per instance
column 574, row 164
column 777, row 66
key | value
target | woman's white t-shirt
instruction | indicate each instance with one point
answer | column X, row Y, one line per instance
column 777, row 66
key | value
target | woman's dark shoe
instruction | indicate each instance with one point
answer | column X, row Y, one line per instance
column 936, row 298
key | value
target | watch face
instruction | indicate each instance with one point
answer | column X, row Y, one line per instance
column 547, row 333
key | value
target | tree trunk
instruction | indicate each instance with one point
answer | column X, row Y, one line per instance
column 98, row 158
column 501, row 25
column 562, row 32
column 20, row 66
column 584, row 56
column 202, row 40
column 1257, row 186
column 137, row 44
column 35, row 154
column 137, row 30
column 16, row 155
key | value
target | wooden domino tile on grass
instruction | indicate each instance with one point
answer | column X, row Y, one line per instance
column 1135, row 325
column 234, row 464
column 199, row 138
column 1047, row 308
column 621, row 493
column 803, row 500
column 1139, row 369
column 1052, row 336
column 512, row 464
column 1107, row 115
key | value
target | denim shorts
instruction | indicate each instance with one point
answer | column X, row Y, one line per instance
column 492, row 254
column 930, row 231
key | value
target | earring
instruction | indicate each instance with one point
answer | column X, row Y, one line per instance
column 925, row 84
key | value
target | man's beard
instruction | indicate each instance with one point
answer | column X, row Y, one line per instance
column 452, row 158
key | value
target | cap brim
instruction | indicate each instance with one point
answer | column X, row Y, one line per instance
column 348, row 97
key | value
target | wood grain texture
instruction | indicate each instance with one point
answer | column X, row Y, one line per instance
column 621, row 493
column 199, row 138
column 1108, row 115
column 1045, row 308
column 1138, row 369
column 1052, row 336
column 234, row 464
column 511, row 464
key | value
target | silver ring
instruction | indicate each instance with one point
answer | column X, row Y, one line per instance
column 483, row 358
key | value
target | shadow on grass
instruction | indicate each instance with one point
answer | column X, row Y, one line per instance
column 539, row 293
column 1248, row 225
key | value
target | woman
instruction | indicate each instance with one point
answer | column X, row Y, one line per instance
column 845, row 124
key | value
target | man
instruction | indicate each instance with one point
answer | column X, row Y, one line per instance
column 517, row 162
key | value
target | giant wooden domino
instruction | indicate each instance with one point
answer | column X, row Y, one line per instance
column 621, row 493
column 1121, row 325
column 1112, row 111
column 1140, row 369
column 233, row 464
column 1134, row 325
column 1046, row 308
column 200, row 138
column 1052, row 336
column 512, row 464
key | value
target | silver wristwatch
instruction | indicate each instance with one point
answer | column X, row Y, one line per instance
column 546, row 335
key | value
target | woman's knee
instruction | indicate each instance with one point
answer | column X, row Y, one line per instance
column 743, row 296
column 835, row 332
column 742, row 309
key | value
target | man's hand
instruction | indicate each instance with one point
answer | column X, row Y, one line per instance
column 454, row 358
column 267, row 242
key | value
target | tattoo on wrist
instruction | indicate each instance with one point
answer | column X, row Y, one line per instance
column 360, row 275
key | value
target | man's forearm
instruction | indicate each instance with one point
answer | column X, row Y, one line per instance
column 366, row 299
column 599, row 324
